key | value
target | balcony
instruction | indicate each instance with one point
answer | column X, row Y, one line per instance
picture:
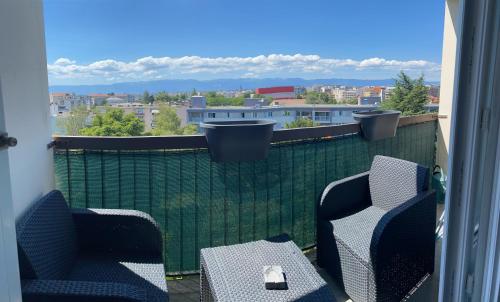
column 200, row 203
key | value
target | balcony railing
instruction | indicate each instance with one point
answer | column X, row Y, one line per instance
column 199, row 203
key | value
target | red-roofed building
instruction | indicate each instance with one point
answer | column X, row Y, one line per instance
column 280, row 92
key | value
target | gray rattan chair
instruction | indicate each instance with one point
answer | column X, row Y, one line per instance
column 89, row 254
column 376, row 230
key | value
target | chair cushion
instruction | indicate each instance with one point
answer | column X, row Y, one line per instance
column 355, row 232
column 140, row 271
column 46, row 239
column 393, row 181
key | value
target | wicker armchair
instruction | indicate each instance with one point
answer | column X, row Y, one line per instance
column 376, row 230
column 89, row 254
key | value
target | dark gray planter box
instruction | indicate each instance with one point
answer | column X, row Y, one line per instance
column 241, row 140
column 378, row 124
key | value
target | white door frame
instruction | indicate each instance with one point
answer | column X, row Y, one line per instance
column 471, row 204
column 10, row 289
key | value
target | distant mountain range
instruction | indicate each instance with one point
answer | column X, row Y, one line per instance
column 211, row 85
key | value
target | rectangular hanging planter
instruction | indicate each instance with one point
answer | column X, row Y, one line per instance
column 378, row 124
column 241, row 140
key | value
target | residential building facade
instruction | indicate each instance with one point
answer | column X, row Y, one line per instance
column 321, row 114
column 343, row 93
column 281, row 92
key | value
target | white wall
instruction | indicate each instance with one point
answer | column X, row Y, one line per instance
column 448, row 66
column 24, row 88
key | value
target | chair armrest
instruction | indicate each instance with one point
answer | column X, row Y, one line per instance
column 79, row 291
column 344, row 197
column 403, row 242
column 117, row 230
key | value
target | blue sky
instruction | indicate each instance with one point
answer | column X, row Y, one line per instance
column 104, row 41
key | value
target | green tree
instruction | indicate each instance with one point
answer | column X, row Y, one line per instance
column 351, row 101
column 189, row 129
column 147, row 98
column 313, row 97
column 163, row 97
column 220, row 100
column 74, row 122
column 409, row 95
column 167, row 122
column 114, row 122
column 211, row 94
column 300, row 123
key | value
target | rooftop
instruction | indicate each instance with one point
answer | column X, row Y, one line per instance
column 279, row 107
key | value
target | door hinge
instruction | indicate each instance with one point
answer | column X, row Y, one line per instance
column 6, row 141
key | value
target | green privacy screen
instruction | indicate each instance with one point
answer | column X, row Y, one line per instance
column 199, row 203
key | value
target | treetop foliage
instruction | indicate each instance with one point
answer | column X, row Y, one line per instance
column 300, row 123
column 114, row 122
column 313, row 97
column 167, row 122
column 409, row 95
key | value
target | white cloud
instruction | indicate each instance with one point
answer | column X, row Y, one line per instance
column 64, row 61
column 211, row 67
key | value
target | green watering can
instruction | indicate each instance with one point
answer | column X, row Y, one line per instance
column 439, row 183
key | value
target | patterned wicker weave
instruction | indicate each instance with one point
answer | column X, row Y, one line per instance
column 234, row 273
column 392, row 182
column 199, row 203
column 89, row 255
column 384, row 245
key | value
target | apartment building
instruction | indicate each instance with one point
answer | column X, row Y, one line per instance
column 389, row 91
column 322, row 114
column 61, row 102
column 372, row 91
column 198, row 101
column 98, row 99
column 345, row 93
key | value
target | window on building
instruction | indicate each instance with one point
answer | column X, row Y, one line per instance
column 304, row 114
column 287, row 113
column 194, row 116
column 211, row 115
column 243, row 115
column 322, row 116
column 254, row 114
column 270, row 114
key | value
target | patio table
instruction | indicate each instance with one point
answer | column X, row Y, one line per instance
column 234, row 273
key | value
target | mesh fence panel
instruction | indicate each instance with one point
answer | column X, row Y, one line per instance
column 199, row 203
